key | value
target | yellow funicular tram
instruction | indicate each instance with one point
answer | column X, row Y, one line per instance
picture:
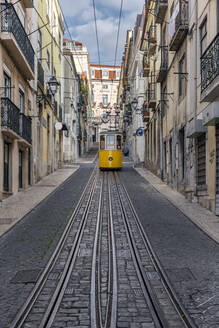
column 110, row 150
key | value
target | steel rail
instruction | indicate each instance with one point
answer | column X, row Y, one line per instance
column 95, row 302
column 183, row 313
column 28, row 304
column 113, row 283
column 156, row 312
column 52, row 309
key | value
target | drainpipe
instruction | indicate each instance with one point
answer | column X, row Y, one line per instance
column 196, row 91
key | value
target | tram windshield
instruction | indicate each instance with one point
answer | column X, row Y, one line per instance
column 102, row 142
column 110, row 142
column 119, row 142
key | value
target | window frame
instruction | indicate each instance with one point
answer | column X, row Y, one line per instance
column 203, row 37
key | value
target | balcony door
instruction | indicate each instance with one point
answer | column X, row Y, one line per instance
column 6, row 166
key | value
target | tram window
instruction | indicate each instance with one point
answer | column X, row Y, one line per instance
column 110, row 142
column 119, row 141
column 102, row 142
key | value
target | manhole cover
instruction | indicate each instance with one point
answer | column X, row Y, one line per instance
column 179, row 275
column 25, row 277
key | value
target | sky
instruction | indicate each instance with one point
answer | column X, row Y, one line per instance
column 79, row 15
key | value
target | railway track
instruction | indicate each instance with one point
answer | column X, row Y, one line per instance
column 103, row 272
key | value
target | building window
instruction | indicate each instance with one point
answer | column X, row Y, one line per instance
column 7, row 86
column 21, row 101
column 105, row 99
column 182, row 77
column 203, row 37
column 105, row 86
column 92, row 73
column 117, row 74
column 105, row 73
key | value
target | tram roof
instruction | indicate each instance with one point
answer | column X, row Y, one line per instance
column 110, row 132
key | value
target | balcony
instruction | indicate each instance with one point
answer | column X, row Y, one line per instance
column 16, row 41
column 160, row 11
column 162, row 73
column 152, row 40
column 40, row 74
column 28, row 3
column 210, row 71
column 146, row 65
column 179, row 25
column 14, row 123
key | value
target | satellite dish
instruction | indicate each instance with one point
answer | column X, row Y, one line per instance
column 58, row 126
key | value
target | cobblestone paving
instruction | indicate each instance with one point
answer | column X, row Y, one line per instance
column 31, row 242
column 190, row 258
column 152, row 275
column 37, row 313
column 200, row 296
column 132, row 309
column 74, row 310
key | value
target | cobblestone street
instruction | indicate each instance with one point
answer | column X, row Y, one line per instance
column 105, row 272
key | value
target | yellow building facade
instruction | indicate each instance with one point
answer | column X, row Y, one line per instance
column 49, row 51
column 17, row 71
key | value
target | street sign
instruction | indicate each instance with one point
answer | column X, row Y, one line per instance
column 139, row 132
column 58, row 126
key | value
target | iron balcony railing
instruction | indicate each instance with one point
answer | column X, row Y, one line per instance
column 13, row 119
column 26, row 128
column 40, row 74
column 179, row 19
column 10, row 115
column 210, row 63
column 11, row 23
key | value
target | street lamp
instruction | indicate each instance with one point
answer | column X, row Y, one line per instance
column 53, row 85
column 134, row 104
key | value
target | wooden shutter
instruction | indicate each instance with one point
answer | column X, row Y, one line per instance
column 98, row 74
column 112, row 75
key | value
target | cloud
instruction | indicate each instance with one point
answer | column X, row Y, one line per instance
column 80, row 19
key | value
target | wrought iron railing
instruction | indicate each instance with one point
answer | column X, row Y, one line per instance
column 11, row 23
column 210, row 63
column 10, row 115
column 40, row 73
column 26, row 128
column 13, row 119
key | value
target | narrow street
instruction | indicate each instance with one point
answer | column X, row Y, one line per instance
column 109, row 251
